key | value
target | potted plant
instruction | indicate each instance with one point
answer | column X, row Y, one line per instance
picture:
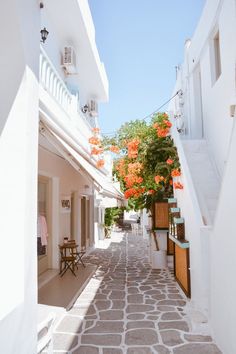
column 157, row 252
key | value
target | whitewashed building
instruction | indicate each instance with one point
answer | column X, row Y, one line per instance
column 204, row 115
column 49, row 97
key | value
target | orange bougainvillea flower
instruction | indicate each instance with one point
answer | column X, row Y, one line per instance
column 169, row 161
column 96, row 151
column 168, row 123
column 133, row 192
column 175, row 173
column 94, row 140
column 95, row 130
column 132, row 154
column 171, row 182
column 178, row 185
column 139, row 180
column 120, row 167
column 138, row 192
column 163, row 127
column 129, row 193
column 114, row 149
column 162, row 132
column 133, row 144
column 130, row 180
column 100, row 163
column 133, row 148
column 135, row 168
column 151, row 191
column 158, row 179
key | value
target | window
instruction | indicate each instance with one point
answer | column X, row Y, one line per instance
column 217, row 55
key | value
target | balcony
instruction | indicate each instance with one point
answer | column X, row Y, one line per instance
column 54, row 85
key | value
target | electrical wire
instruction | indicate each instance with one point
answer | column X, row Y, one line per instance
column 151, row 114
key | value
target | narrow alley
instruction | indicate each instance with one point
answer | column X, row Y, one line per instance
column 129, row 308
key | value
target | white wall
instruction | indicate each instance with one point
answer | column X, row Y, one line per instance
column 70, row 23
column 223, row 260
column 212, row 252
column 216, row 97
column 196, row 233
column 18, row 161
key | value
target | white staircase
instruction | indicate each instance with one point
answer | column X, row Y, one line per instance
column 205, row 177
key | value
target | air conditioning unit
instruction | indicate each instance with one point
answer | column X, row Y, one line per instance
column 93, row 108
column 69, row 60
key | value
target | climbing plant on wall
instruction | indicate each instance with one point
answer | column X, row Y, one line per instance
column 147, row 160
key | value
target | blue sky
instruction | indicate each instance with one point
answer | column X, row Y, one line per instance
column 140, row 43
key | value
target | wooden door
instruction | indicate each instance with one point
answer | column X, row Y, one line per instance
column 181, row 268
column 75, row 217
column 161, row 215
column 87, row 223
column 83, row 223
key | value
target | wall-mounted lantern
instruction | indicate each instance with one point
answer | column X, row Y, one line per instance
column 44, row 33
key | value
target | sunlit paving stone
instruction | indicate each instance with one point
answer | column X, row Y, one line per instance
column 181, row 325
column 138, row 350
column 111, row 315
column 141, row 337
column 140, row 324
column 128, row 308
column 170, row 316
column 171, row 338
column 197, row 349
column 86, row 350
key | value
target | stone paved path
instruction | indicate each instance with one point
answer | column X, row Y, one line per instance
column 129, row 308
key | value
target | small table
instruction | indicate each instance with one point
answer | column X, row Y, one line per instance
column 70, row 257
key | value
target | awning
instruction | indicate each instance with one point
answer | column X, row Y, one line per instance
column 104, row 186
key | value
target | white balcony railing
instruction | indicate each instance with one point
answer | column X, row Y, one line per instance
column 53, row 84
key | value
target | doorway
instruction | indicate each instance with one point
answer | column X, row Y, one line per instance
column 85, row 222
column 44, row 235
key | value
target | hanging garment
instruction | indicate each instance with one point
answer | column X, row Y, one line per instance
column 42, row 230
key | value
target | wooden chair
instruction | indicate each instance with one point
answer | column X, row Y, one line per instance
column 66, row 261
column 77, row 254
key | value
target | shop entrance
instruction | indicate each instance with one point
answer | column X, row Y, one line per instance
column 44, row 235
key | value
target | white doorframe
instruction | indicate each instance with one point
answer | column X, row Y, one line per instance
column 55, row 216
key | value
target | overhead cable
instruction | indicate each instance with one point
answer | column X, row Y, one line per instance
column 151, row 114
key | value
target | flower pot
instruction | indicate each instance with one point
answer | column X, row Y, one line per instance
column 159, row 259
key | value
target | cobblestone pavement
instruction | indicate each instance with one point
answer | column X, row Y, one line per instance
column 129, row 308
